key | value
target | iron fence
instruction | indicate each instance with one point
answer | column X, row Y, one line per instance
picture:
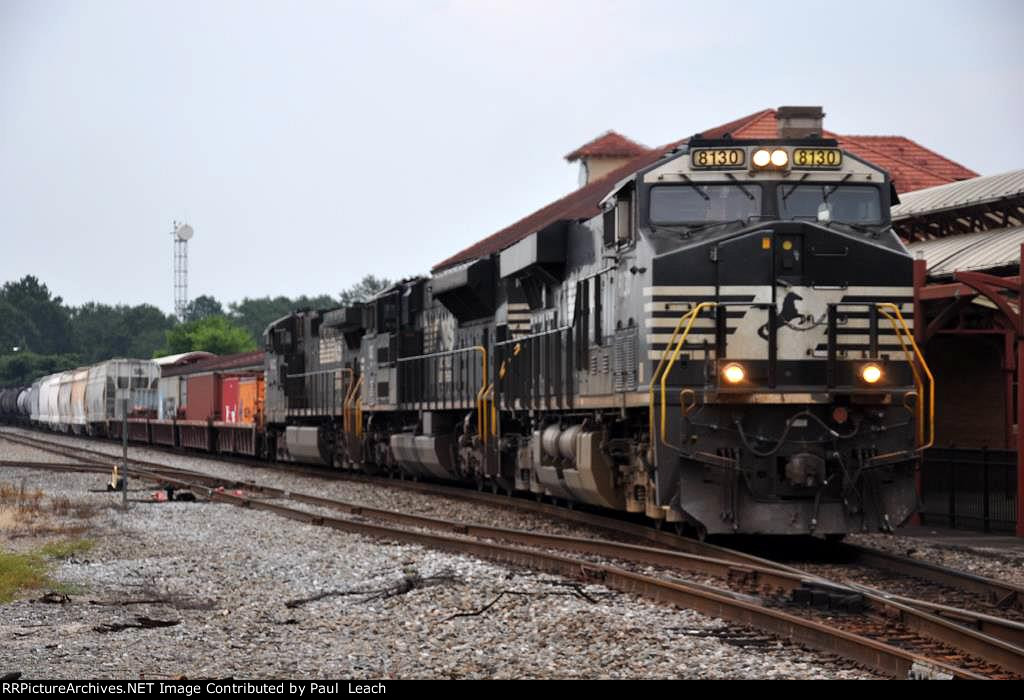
column 973, row 489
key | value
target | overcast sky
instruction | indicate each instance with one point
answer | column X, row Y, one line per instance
column 309, row 143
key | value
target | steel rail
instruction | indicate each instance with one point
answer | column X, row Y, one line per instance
column 983, row 645
column 996, row 591
column 1001, row 593
column 873, row 654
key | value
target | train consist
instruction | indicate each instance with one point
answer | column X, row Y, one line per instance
column 87, row 400
column 726, row 346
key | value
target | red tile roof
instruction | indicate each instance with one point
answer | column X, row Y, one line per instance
column 911, row 166
column 759, row 125
column 610, row 144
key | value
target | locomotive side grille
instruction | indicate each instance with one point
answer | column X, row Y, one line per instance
column 625, row 366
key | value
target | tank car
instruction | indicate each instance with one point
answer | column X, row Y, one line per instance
column 13, row 404
column 727, row 346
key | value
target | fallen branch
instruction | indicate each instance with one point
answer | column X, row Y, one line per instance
column 576, row 592
column 481, row 611
column 177, row 602
column 53, row 597
column 141, row 622
column 409, row 582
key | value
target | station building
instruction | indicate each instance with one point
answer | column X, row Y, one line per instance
column 968, row 237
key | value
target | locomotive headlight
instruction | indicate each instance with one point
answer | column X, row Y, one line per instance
column 780, row 158
column 734, row 373
column 762, row 158
column 871, row 373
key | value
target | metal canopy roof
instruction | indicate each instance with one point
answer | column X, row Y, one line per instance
column 984, row 250
column 956, row 195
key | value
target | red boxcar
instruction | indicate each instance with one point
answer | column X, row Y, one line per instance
column 204, row 398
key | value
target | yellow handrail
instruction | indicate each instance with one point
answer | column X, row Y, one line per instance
column 919, row 356
column 492, row 418
column 918, row 382
column 481, row 417
column 359, row 416
column 654, row 375
column 346, row 411
column 355, row 397
column 692, row 316
column 344, row 404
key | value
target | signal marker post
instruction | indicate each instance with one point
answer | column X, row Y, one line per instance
column 124, row 449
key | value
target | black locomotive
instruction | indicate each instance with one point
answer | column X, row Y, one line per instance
column 726, row 346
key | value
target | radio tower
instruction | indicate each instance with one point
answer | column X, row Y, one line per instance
column 182, row 233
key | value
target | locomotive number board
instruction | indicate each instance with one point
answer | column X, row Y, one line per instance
column 718, row 158
column 817, row 158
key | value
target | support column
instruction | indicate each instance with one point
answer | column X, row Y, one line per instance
column 1020, row 397
column 1020, row 440
column 1009, row 374
column 920, row 280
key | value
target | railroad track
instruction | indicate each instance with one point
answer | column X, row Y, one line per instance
column 884, row 634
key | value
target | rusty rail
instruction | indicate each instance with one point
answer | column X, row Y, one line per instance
column 985, row 647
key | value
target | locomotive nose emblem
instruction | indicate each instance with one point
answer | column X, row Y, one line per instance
column 787, row 314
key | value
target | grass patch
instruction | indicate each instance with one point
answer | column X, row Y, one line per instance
column 25, row 572
column 20, row 572
column 66, row 549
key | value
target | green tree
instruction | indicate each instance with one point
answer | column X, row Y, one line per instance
column 147, row 326
column 24, row 367
column 101, row 332
column 363, row 290
column 202, row 307
column 216, row 334
column 256, row 314
column 49, row 330
column 16, row 329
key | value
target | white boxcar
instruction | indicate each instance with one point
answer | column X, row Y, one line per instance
column 110, row 382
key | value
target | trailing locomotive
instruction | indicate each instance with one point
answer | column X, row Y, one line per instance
column 727, row 346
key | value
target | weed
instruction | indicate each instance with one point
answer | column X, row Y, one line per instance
column 20, row 572
column 67, row 548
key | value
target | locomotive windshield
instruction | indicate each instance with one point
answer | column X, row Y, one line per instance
column 682, row 204
column 849, row 204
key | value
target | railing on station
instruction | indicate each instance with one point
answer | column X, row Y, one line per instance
column 969, row 488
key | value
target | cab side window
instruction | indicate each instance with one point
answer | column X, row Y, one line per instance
column 618, row 221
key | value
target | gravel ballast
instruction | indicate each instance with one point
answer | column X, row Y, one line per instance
column 223, row 576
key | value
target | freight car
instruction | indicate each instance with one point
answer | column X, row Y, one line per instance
column 88, row 400
column 152, row 397
column 726, row 346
